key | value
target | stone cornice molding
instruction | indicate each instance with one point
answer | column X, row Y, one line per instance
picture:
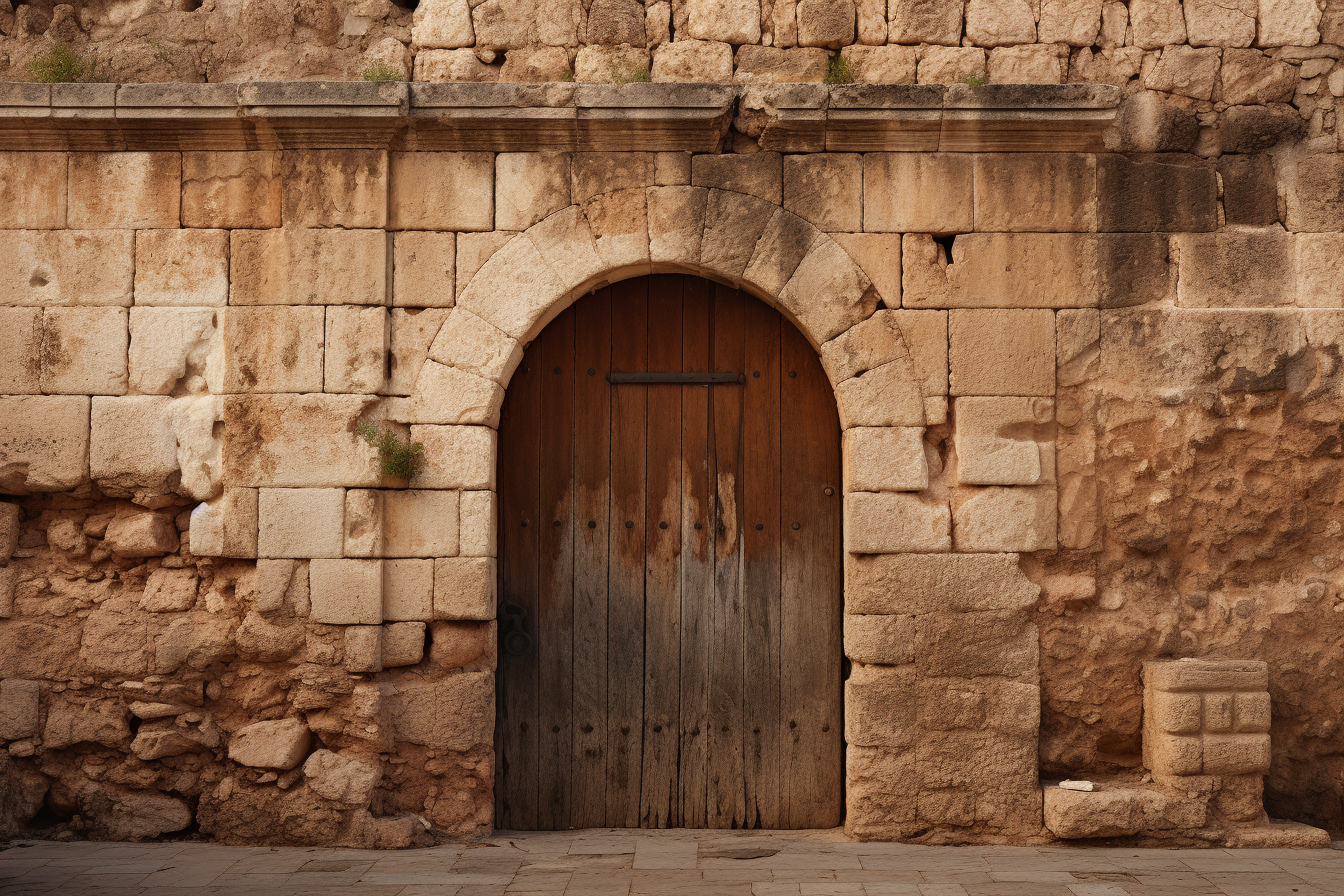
column 553, row 117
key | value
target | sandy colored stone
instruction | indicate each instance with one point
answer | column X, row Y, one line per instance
column 1004, row 441
column 756, row 174
column 454, row 713
column 133, row 446
column 881, row 705
column 999, row 24
column 826, row 23
column 1002, row 352
column 409, row 337
column 1219, row 23
column 1119, row 812
column 424, row 264
column 1315, row 201
column 300, row 522
column 141, row 533
column 942, row 203
column 1289, row 23
column 528, row 187
column 451, row 395
column 923, row 583
column 607, row 65
column 879, row 255
column 457, row 456
column 231, row 189
column 33, row 190
column 535, row 65
column 514, row 289
column 137, row 190
column 479, row 527
column 882, row 64
column 924, row 21
column 1027, row 64
column 169, row 591
column 618, row 222
column 308, row 267
column 363, row 522
column 693, row 60
column 676, row 223
column 356, row 358
column 20, row 351
column 1187, row 71
column 226, row 526
column 867, row 346
column 408, row 590
column 1035, row 191
column 453, row 65
column 403, row 644
column 1319, row 266
column 825, row 189
column 469, row 343
column 181, row 267
column 872, row 22
column 273, row 349
column 1245, row 269
column 1021, row 518
column 176, row 349
column 888, row 523
column 346, row 592
column 11, row 515
column 343, row 779
column 44, row 443
column 278, row 744
column 18, row 708
column 363, row 648
column 84, row 350
column 68, row 267
column 881, row 640
column 297, row 441
column 420, row 523
column 884, row 459
column 464, row 588
column 780, row 65
column 1156, row 23
column 827, row 293
column 1250, row 77
column 1073, row 22
column 730, row 21
column 344, row 188
column 443, row 24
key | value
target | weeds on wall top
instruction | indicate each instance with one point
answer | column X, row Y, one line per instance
column 974, row 80
column 630, row 74
column 381, row 72
column 399, row 458
column 59, row 65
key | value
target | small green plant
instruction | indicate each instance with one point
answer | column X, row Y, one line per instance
column 630, row 74
column 839, row 71
column 567, row 75
column 381, row 71
column 974, row 80
column 59, row 65
column 399, row 458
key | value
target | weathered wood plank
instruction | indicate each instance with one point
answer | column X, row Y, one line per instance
column 592, row 473
column 810, row 571
column 625, row 605
column 760, row 572
column 662, row 574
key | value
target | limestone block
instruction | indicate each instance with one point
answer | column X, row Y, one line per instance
column 363, row 522
column 885, row 396
column 474, row 346
column 1005, row 441
column 139, row 190
column 1187, row 71
column 443, row 24
column 1319, row 270
column 880, row 640
column 133, row 446
column 926, row 192
column 975, row 644
column 20, row 351
column 226, row 526
column 1289, row 23
column 880, row 706
column 420, row 523
column 175, row 349
column 694, row 61
column 68, row 267
column 297, row 441
column 1250, row 189
column 601, row 172
column 826, row 23
column 363, row 648
column 141, row 533
column 1201, row 675
column 11, row 516
column 885, row 459
column 84, row 351
column 423, row 269
column 658, row 23
column 756, row 174
column 881, row 64
column 1027, row 64
column 346, row 592
column 1073, row 22
column 773, row 65
column 408, row 590
column 565, row 242
column 867, row 346
column 825, row 189
column 888, row 523
column 451, row 395
column 1001, row 352
column 536, row 65
column 409, row 337
column 231, row 190
column 1218, row 23
column 828, row 293
column 925, row 335
column 872, row 15
column 515, row 288
column 880, row 792
column 95, row 722
column 356, row 350
column 619, row 225
column 780, row 249
column 1158, row 194
column 1190, row 708
column 464, row 588
column 403, row 644
column 300, row 522
column 479, row 524
column 308, row 267
column 1250, row 77
column 1035, row 192
column 1113, row 811
column 676, row 223
column 334, row 188
column 1114, row 24
column 734, row 223
column 1168, row 120
column 455, row 713
column 924, row 22
column 169, row 591
column 504, row 24
column 731, row 21
column 1021, row 518
column 1242, row 268
column 273, row 349
column 528, row 187
column 606, row 65
column 453, row 65
column 461, row 457
column 44, row 443
column 999, row 24
column 33, row 190
column 998, row 705
column 277, row 585
column 1156, row 23
column 278, row 744
column 442, row 191
column 1315, row 200
column 879, row 256
column 672, row 168
column 18, row 709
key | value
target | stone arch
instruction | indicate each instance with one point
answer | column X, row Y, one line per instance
column 737, row 239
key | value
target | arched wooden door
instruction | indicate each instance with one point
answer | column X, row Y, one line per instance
column 670, row 569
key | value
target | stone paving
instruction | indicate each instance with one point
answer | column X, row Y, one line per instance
column 663, row 863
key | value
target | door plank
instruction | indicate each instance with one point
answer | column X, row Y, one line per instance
column 662, row 576
column 812, row 773
column 760, row 572
column 625, row 605
column 519, row 698
column 697, row 560
column 592, row 449
column 555, row 629
column 727, row 794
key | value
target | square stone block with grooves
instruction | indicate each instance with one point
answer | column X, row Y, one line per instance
column 301, row 522
column 346, row 592
column 334, row 187
column 1206, row 717
column 231, row 190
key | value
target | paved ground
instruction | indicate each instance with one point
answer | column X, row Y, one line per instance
column 677, row 863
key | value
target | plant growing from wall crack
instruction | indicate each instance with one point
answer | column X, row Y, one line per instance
column 401, row 458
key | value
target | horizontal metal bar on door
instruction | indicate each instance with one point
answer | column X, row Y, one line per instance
column 621, row 377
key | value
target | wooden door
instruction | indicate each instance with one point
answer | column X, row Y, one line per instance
column 670, row 569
